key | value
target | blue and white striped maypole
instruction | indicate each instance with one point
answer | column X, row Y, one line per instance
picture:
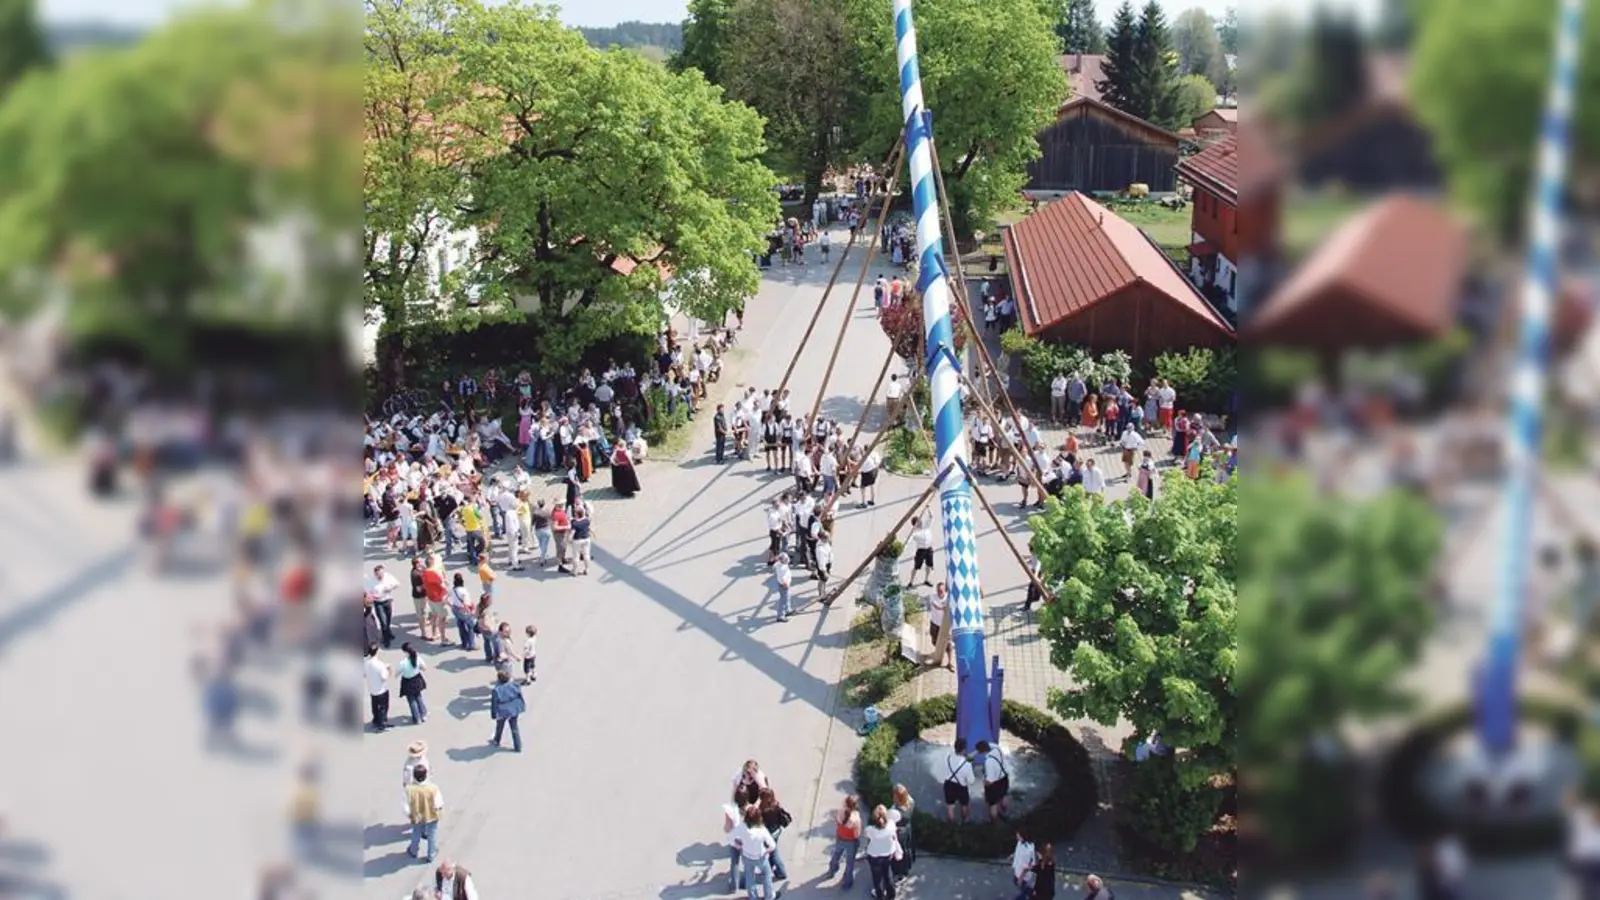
column 1497, row 687
column 949, row 432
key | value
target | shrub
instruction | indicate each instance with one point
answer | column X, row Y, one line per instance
column 1041, row 360
column 1413, row 814
column 662, row 422
column 1163, row 812
column 908, row 452
column 1204, row 378
column 892, row 549
column 874, row 685
column 904, row 327
column 1058, row 817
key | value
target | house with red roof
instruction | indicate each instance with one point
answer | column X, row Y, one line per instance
column 1236, row 203
column 1082, row 275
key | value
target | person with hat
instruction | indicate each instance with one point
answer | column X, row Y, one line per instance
column 424, row 804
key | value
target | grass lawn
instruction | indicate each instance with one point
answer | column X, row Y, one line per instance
column 1167, row 227
column 1310, row 218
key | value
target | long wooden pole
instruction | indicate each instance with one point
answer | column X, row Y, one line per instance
column 894, row 157
column 867, row 410
column 910, row 511
column 994, row 421
column 966, row 314
column 866, row 266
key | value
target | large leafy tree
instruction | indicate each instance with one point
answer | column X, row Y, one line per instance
column 1228, row 31
column 417, row 159
column 1079, row 28
column 609, row 173
column 143, row 179
column 1194, row 38
column 22, row 42
column 808, row 95
column 1194, row 97
column 1335, row 606
column 706, row 39
column 991, row 75
column 1468, row 56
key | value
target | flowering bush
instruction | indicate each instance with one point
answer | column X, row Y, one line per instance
column 903, row 326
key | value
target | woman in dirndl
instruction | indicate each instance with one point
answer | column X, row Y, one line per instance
column 624, row 478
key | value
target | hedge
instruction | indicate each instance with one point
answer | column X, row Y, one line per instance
column 1043, row 360
column 1413, row 814
column 1058, row 817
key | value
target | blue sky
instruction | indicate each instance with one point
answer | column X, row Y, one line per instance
column 599, row 12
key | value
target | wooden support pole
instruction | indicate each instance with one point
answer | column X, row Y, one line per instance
column 994, row 422
column 867, row 410
column 894, row 159
column 1021, row 560
column 866, row 266
column 876, row 548
column 966, row 311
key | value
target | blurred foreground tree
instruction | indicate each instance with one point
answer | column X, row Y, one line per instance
column 1144, row 624
column 22, row 42
column 808, row 93
column 1334, row 609
column 1331, row 74
column 1469, row 56
column 200, row 175
column 991, row 74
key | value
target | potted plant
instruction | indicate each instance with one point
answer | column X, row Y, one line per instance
column 884, row 569
column 891, row 607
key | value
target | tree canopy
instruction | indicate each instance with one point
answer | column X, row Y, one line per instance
column 590, row 177
column 1194, row 38
column 1079, row 29
column 1497, row 54
column 1140, row 69
column 1194, row 97
column 1331, row 74
column 1145, row 609
column 1334, row 609
column 991, row 74
column 706, row 39
column 233, row 129
column 22, row 41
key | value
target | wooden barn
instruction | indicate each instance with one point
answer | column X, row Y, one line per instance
column 1095, row 147
column 1376, row 146
column 1082, row 275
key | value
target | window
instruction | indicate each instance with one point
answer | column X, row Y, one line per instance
column 444, row 261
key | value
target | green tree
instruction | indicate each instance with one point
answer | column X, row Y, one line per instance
column 1158, row 68
column 235, row 126
column 1228, row 31
column 586, row 202
column 1331, row 77
column 1194, row 97
column 1334, row 609
column 1120, row 85
column 991, row 75
column 811, row 112
column 1194, row 37
column 1498, row 52
column 418, row 160
column 705, row 39
column 1396, row 25
column 1079, row 28
column 22, row 42
column 1144, row 620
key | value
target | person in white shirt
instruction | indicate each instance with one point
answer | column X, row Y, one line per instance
column 782, row 578
column 1166, row 397
column 922, row 541
column 829, row 468
column 514, row 536
column 382, row 588
column 824, row 563
column 1094, row 481
column 1022, row 859
column 1132, row 446
column 755, row 845
column 892, row 395
column 958, row 780
column 822, row 242
column 454, row 882
column 938, row 620
column 996, row 781
column 883, row 848
column 804, row 474
column 982, row 439
column 869, row 478
column 378, row 674
column 777, row 523
column 1058, row 397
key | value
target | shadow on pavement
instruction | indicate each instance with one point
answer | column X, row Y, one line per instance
column 39, row 612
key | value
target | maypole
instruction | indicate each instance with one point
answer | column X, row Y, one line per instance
column 955, row 496
column 1497, row 693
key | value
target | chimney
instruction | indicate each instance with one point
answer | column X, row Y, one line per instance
column 1077, row 62
column 1102, row 221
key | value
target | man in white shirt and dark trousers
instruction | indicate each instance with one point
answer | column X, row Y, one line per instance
column 958, row 781
column 996, row 781
column 922, row 541
column 378, row 674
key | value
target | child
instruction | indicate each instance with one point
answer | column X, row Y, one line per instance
column 528, row 647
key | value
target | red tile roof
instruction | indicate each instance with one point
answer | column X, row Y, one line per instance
column 1396, row 267
column 1083, row 73
column 1073, row 253
column 1220, row 169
